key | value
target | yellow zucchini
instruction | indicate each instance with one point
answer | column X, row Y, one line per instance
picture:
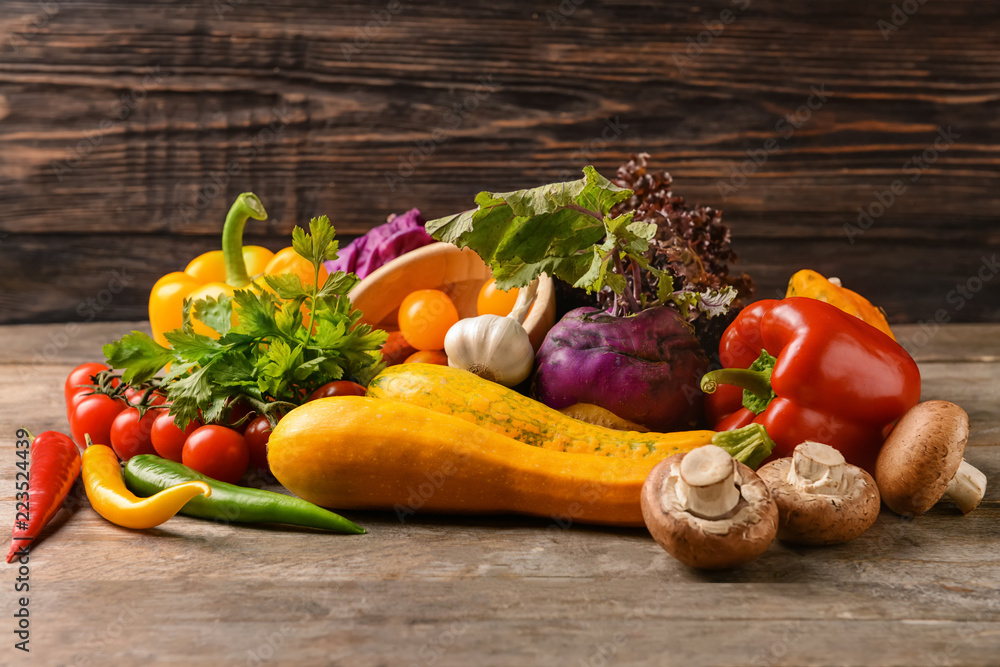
column 359, row 452
column 461, row 394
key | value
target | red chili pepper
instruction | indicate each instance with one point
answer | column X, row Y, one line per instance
column 55, row 465
column 811, row 372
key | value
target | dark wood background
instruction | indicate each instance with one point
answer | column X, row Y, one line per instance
column 126, row 129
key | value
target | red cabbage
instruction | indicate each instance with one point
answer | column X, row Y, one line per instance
column 399, row 235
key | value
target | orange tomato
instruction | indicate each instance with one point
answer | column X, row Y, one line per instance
column 425, row 317
column 493, row 301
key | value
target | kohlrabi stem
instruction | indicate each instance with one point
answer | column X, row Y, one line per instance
column 525, row 297
column 633, row 304
column 636, row 280
column 247, row 205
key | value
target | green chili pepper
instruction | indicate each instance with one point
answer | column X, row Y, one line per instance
column 146, row 474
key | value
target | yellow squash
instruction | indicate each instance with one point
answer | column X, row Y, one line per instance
column 455, row 392
column 359, row 452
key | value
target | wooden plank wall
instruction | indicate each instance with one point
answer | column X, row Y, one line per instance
column 127, row 128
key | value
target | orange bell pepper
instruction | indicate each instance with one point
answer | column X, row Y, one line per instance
column 813, row 285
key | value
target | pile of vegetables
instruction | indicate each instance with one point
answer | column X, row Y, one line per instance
column 259, row 361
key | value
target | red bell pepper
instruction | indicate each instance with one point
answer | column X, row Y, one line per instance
column 55, row 465
column 806, row 370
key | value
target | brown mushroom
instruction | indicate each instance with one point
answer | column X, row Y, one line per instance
column 821, row 498
column 708, row 510
column 921, row 461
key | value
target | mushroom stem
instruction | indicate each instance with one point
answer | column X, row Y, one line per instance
column 967, row 487
column 817, row 468
column 707, row 487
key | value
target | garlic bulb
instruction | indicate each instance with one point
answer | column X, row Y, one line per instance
column 494, row 348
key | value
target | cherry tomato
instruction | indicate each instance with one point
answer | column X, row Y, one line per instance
column 338, row 388
column 216, row 451
column 396, row 349
column 75, row 401
column 425, row 317
column 131, row 436
column 94, row 415
column 257, row 434
column 493, row 301
column 168, row 439
column 81, row 375
column 428, row 357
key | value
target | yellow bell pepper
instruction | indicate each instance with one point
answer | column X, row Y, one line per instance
column 221, row 272
column 811, row 284
column 105, row 486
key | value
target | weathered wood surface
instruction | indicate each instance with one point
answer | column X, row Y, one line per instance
column 446, row 590
column 128, row 128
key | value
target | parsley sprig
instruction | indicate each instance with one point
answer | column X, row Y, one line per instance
column 272, row 359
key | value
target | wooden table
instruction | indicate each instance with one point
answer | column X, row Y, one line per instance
column 499, row 590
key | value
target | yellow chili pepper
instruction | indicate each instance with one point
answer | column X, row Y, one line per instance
column 813, row 285
column 221, row 272
column 105, row 485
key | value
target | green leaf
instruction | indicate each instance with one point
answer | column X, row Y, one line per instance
column 338, row 283
column 191, row 346
column 318, row 245
column 138, row 355
column 256, row 314
column 664, row 287
column 550, row 229
column 685, row 301
column 287, row 286
column 215, row 313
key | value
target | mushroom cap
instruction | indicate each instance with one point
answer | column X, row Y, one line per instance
column 732, row 540
column 921, row 456
column 818, row 518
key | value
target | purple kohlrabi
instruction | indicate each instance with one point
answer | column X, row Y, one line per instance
column 645, row 367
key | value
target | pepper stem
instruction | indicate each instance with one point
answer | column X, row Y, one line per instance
column 749, row 445
column 247, row 205
column 757, row 383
